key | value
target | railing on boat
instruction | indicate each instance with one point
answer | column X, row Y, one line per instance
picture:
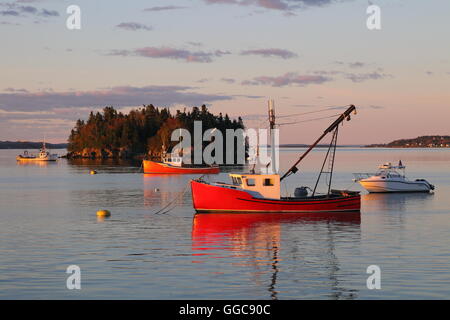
column 362, row 175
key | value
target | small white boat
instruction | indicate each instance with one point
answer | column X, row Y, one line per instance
column 43, row 155
column 388, row 179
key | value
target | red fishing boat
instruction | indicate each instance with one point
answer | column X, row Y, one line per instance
column 261, row 192
column 175, row 165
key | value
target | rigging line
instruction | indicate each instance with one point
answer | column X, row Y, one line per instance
column 347, row 188
column 335, row 138
column 160, row 211
column 258, row 125
column 309, row 112
column 314, row 119
column 323, row 165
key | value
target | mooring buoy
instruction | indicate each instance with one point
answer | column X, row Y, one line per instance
column 103, row 213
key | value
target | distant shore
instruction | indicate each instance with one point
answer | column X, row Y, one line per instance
column 30, row 145
column 318, row 146
column 37, row 145
column 419, row 142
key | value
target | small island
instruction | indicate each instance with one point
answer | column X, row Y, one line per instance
column 143, row 132
column 419, row 142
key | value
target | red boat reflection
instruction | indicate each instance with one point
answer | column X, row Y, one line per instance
column 209, row 228
column 254, row 240
column 228, row 222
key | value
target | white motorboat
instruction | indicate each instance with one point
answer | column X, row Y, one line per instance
column 389, row 179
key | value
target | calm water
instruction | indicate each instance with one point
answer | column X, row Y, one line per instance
column 48, row 222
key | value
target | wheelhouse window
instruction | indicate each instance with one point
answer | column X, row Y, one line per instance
column 268, row 182
column 251, row 182
column 236, row 181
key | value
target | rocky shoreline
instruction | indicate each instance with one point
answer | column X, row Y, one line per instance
column 103, row 153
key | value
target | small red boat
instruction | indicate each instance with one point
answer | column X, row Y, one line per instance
column 175, row 165
column 261, row 192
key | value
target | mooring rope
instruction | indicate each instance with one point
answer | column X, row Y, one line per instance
column 161, row 211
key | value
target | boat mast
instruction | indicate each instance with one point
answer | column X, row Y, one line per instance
column 342, row 117
column 272, row 136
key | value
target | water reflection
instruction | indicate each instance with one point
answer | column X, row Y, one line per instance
column 254, row 240
column 105, row 165
column 36, row 163
column 397, row 202
column 162, row 189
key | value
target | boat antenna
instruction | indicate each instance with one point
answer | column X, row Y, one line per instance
column 344, row 116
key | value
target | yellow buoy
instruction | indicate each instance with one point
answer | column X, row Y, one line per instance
column 103, row 213
column 93, row 172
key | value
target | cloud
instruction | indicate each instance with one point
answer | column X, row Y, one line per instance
column 356, row 64
column 133, row 26
column 271, row 52
column 356, row 77
column 281, row 5
column 290, row 78
column 49, row 13
column 163, row 8
column 171, row 53
column 28, row 1
column 228, row 80
column 15, row 90
column 366, row 76
column 268, row 4
column 18, row 10
column 116, row 96
column 49, row 122
column 195, row 43
column 12, row 13
column 353, row 65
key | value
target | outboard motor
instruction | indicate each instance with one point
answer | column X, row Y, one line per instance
column 301, row 192
column 432, row 187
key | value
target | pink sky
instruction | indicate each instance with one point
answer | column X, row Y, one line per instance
column 232, row 56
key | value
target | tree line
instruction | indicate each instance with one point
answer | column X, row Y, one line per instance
column 113, row 134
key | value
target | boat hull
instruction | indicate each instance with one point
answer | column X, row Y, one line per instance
column 395, row 186
column 213, row 198
column 19, row 158
column 159, row 167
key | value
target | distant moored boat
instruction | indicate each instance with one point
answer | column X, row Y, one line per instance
column 175, row 165
column 43, row 155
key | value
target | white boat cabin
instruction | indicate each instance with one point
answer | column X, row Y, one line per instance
column 173, row 161
column 267, row 185
column 388, row 170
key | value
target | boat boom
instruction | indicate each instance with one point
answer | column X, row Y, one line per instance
column 342, row 117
